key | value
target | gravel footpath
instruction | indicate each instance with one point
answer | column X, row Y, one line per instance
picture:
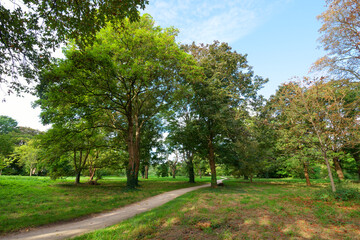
column 102, row 220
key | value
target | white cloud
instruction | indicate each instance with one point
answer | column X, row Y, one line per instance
column 209, row 20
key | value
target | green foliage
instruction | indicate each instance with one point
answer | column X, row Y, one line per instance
column 118, row 85
column 33, row 29
column 162, row 170
column 7, row 125
column 343, row 193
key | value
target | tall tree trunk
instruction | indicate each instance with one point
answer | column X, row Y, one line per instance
column 173, row 170
column 338, row 168
column 200, row 173
column 306, row 173
column 77, row 180
column 130, row 171
column 212, row 162
column 137, row 150
column 329, row 170
column 146, row 171
column 191, row 169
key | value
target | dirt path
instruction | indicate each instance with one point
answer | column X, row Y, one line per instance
column 72, row 229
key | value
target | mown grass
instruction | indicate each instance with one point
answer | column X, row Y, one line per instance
column 242, row 210
column 27, row 202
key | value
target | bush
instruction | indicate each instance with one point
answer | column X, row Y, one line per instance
column 343, row 193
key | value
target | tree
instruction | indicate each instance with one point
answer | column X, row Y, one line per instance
column 319, row 110
column 7, row 124
column 183, row 135
column 125, row 79
column 32, row 29
column 228, row 82
column 340, row 39
column 7, row 141
column 27, row 155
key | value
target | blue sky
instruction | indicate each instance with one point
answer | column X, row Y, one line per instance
column 279, row 36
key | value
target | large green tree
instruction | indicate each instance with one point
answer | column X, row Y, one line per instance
column 32, row 29
column 124, row 79
column 8, row 126
column 225, row 88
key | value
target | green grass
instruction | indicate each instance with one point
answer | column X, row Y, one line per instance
column 265, row 209
column 33, row 201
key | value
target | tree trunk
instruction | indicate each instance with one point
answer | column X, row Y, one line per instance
column 251, row 178
column 329, row 170
column 212, row 162
column 306, row 173
column 191, row 170
column 146, row 172
column 338, row 168
column 200, row 173
column 130, row 171
column 77, row 180
column 173, row 170
column 137, row 151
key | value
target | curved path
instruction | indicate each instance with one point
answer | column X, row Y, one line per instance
column 103, row 220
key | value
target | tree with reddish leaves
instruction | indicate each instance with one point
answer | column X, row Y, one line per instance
column 340, row 38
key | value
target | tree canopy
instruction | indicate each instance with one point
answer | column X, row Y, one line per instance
column 31, row 30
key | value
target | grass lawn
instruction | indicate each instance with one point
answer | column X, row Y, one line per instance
column 33, row 201
column 240, row 210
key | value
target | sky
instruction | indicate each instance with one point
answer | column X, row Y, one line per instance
column 278, row 36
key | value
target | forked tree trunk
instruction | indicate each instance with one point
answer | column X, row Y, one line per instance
column 306, row 173
column 338, row 168
column 212, row 162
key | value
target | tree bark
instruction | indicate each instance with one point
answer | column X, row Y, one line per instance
column 338, row 168
column 146, row 172
column 329, row 170
column 306, row 173
column 77, row 180
column 212, row 162
column 191, row 170
column 173, row 170
column 137, row 151
column 130, row 171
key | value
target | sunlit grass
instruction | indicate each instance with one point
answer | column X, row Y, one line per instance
column 261, row 210
column 33, row 201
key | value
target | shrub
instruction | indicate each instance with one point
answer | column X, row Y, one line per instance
column 343, row 193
